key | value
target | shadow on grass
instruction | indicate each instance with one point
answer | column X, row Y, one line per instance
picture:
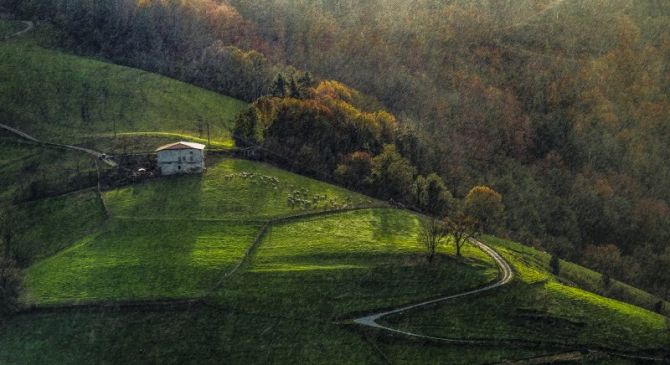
column 324, row 287
column 142, row 260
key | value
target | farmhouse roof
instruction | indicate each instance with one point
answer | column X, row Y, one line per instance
column 181, row 145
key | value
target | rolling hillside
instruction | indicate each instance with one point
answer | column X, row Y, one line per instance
column 249, row 263
column 540, row 306
column 296, row 288
column 64, row 98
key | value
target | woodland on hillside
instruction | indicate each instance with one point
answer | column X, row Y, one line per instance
column 562, row 106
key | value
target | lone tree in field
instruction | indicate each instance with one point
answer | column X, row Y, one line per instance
column 485, row 204
column 462, row 227
column 432, row 234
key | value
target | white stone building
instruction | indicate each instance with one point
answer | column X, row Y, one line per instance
column 181, row 158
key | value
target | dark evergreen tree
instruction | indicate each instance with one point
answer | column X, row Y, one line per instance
column 247, row 131
column 279, row 86
column 555, row 264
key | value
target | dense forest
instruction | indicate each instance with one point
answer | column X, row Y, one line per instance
column 562, row 106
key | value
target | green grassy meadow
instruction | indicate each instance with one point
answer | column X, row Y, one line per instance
column 328, row 267
column 230, row 189
column 213, row 336
column 50, row 225
column 292, row 298
column 538, row 306
column 29, row 171
column 140, row 260
column 64, row 98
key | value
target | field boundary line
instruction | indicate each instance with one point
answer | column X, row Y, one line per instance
column 267, row 226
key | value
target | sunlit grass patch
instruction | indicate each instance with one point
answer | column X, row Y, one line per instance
column 538, row 307
column 65, row 98
column 230, row 189
column 140, row 260
column 328, row 267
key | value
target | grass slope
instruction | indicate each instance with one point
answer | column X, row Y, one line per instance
column 65, row 98
column 212, row 336
column 330, row 266
column 49, row 225
column 538, row 306
column 42, row 185
column 140, row 260
column 230, row 189
column 201, row 336
column 29, row 171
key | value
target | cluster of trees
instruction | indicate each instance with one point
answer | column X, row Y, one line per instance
column 201, row 42
column 333, row 132
column 569, row 126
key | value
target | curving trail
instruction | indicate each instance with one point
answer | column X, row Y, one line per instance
column 24, row 135
column 29, row 26
column 506, row 275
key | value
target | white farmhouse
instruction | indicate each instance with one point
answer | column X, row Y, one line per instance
column 181, row 158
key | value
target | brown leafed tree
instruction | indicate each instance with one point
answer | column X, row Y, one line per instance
column 433, row 233
column 462, row 227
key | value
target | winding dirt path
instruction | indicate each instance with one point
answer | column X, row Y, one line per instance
column 24, row 135
column 29, row 26
column 506, row 275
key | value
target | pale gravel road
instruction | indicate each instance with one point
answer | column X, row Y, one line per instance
column 506, row 275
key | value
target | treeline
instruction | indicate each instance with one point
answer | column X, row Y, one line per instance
column 569, row 126
column 190, row 42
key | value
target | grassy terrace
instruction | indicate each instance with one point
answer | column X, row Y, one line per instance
column 133, row 260
column 327, row 267
column 50, row 225
column 230, row 189
column 536, row 306
column 81, row 98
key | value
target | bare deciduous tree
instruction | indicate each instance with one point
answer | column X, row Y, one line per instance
column 432, row 234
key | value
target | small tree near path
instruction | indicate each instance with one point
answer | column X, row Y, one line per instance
column 462, row 227
column 431, row 236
